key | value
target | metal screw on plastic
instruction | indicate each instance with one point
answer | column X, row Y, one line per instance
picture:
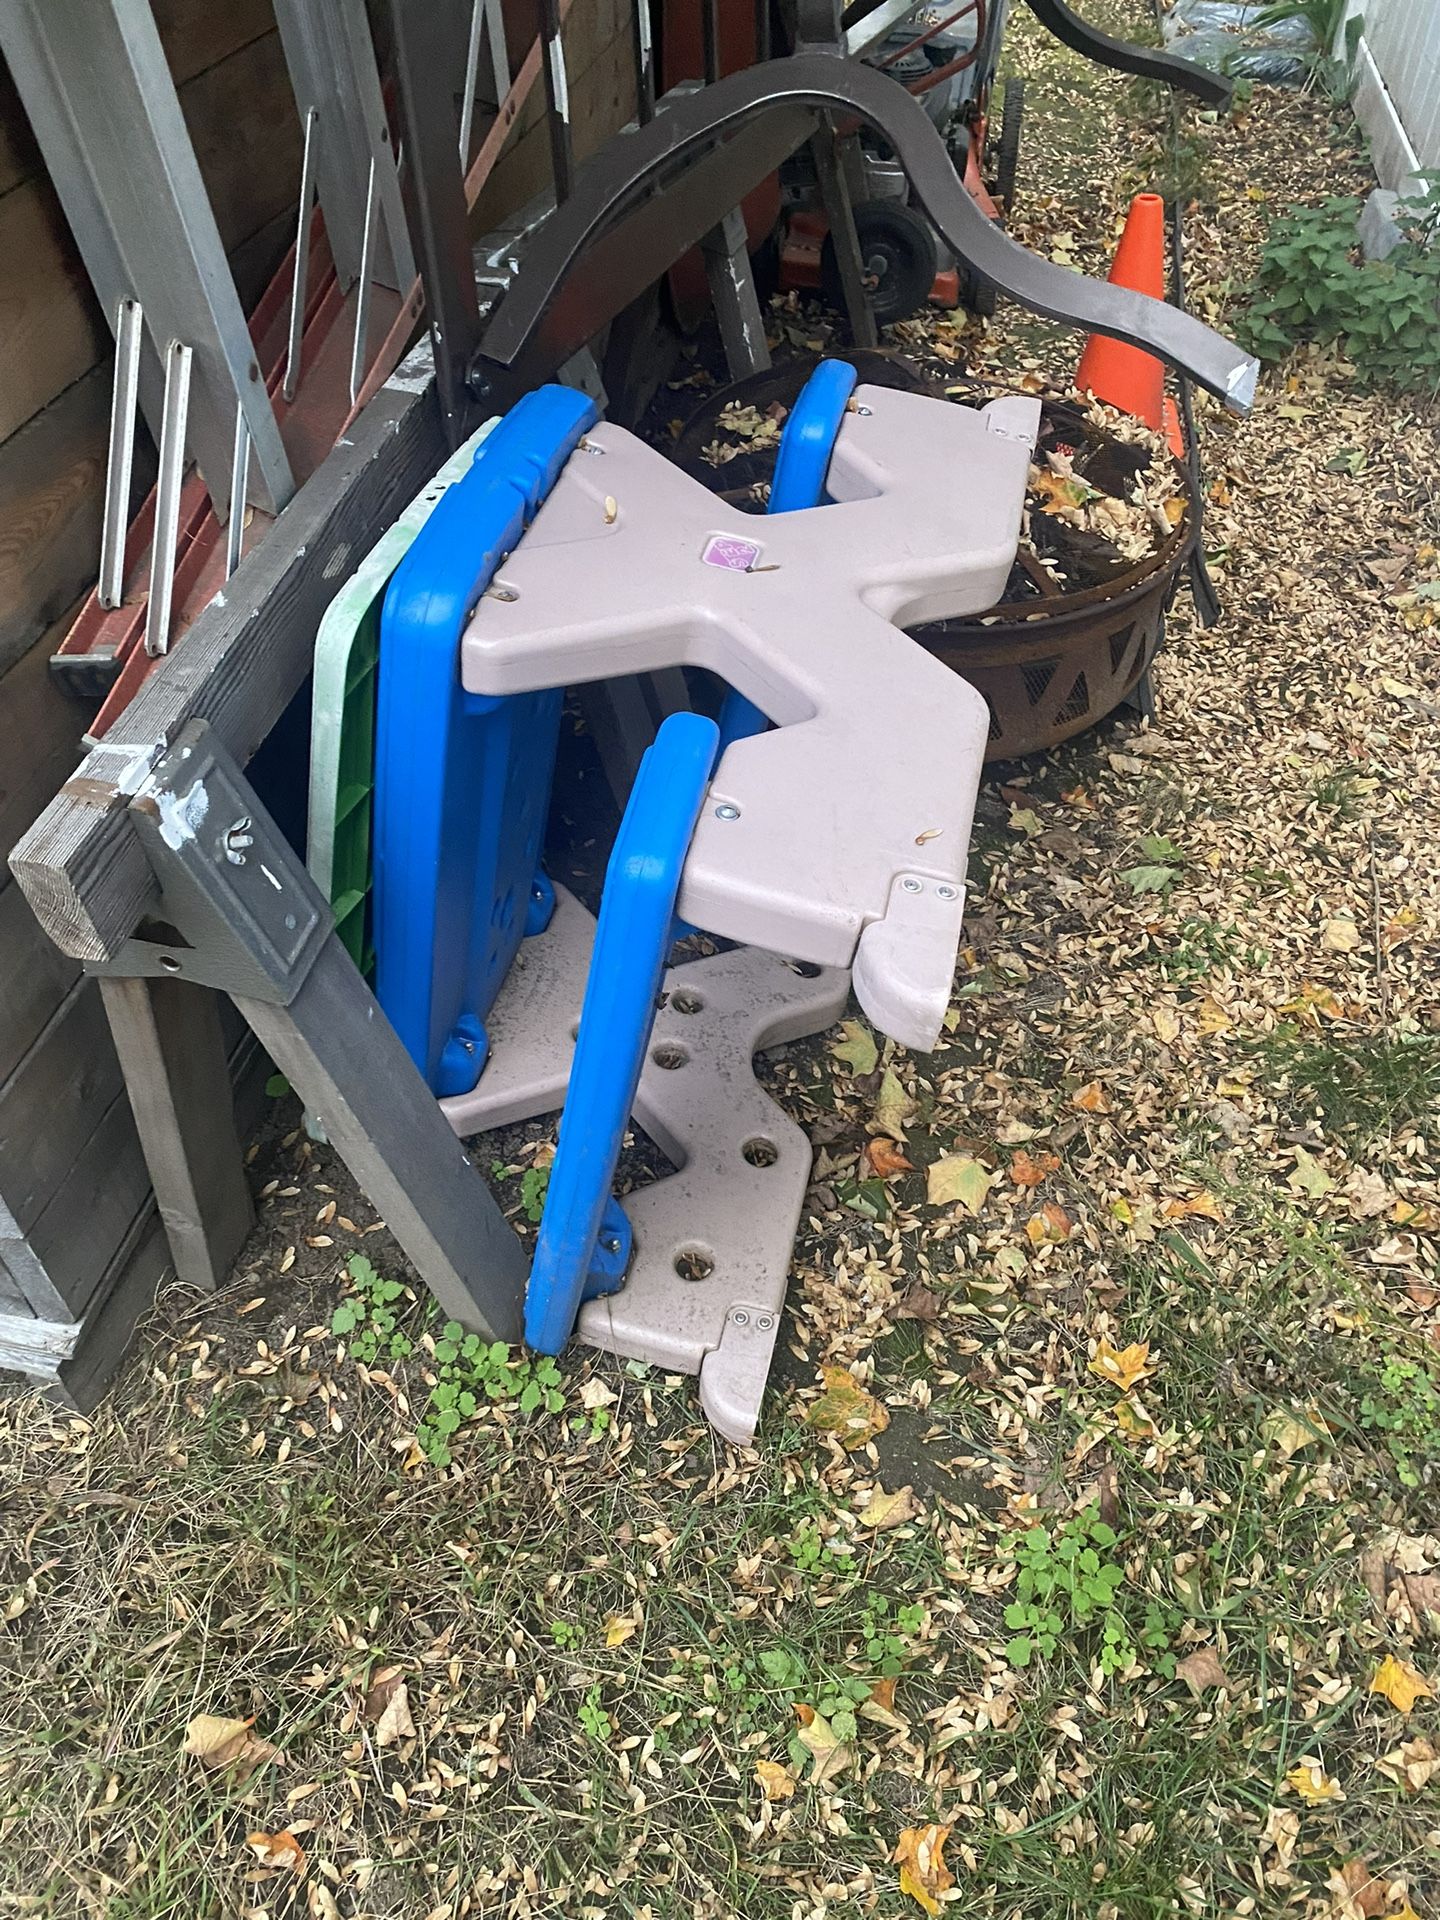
column 467, row 1046
column 589, row 446
column 865, row 410
column 740, row 1317
column 945, row 892
column 727, row 811
column 237, row 837
column 764, row 1322
column 610, row 1243
column 910, row 885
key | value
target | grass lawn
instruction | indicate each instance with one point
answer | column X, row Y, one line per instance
column 1087, row 1562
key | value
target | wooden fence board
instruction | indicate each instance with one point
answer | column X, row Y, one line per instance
column 51, row 329
column 51, row 1103
column 34, row 978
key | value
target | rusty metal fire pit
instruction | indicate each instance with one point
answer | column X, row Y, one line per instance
column 1049, row 660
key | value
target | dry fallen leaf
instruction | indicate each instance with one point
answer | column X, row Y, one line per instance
column 846, row 1410
column 886, row 1158
column 1401, row 1684
column 1413, row 1765
column 1125, row 1367
column 1313, row 1784
column 1028, row 1170
column 618, row 1628
column 395, row 1722
column 1288, row 1431
column 1210, row 1017
column 1166, row 1023
column 1132, row 1419
column 886, row 1510
column 893, row 1106
column 1358, row 1894
column 857, row 1050
column 1309, row 1176
column 1422, row 1596
column 880, row 1707
column 829, row 1754
column 278, row 1850
column 1339, row 936
column 1203, row 1206
column 776, row 1782
column 1202, row 1669
column 1367, row 1194
column 918, row 1303
column 1050, row 1226
column 1091, row 1098
column 920, row 1856
column 222, row 1745
column 957, row 1180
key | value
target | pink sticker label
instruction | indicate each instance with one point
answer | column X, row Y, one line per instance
column 728, row 550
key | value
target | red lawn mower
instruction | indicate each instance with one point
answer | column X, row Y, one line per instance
column 946, row 56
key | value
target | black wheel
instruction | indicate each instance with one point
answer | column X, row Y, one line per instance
column 1007, row 158
column 897, row 251
column 978, row 296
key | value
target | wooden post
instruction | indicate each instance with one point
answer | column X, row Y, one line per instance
column 167, row 1034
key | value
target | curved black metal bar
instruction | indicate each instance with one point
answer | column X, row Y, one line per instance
column 1077, row 34
column 619, row 184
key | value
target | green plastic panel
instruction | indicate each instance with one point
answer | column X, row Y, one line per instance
column 342, row 717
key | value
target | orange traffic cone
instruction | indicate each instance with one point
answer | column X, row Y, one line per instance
column 1124, row 376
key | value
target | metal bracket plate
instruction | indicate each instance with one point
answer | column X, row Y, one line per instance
column 239, row 911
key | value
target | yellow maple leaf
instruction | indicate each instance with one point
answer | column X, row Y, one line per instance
column 1132, row 1419
column 846, row 1410
column 776, row 1782
column 1288, row 1431
column 1400, row 1683
column 1203, row 1205
column 618, row 1628
column 1210, row 1016
column 886, row 1510
column 920, row 1856
column 1313, row 1784
column 1091, row 1098
column 1122, row 1368
column 1313, row 1001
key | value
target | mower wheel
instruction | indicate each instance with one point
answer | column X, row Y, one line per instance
column 898, row 252
column 1007, row 158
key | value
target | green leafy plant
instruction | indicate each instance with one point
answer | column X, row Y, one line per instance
column 1066, row 1584
column 566, row 1635
column 370, row 1318
column 1404, row 1408
column 1200, row 945
column 534, row 1185
column 593, row 1718
column 888, row 1634
column 1162, row 860
column 470, row 1372
column 1314, row 284
column 812, row 1552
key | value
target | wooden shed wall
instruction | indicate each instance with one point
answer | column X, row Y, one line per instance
column 77, row 1221
column 79, row 1238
